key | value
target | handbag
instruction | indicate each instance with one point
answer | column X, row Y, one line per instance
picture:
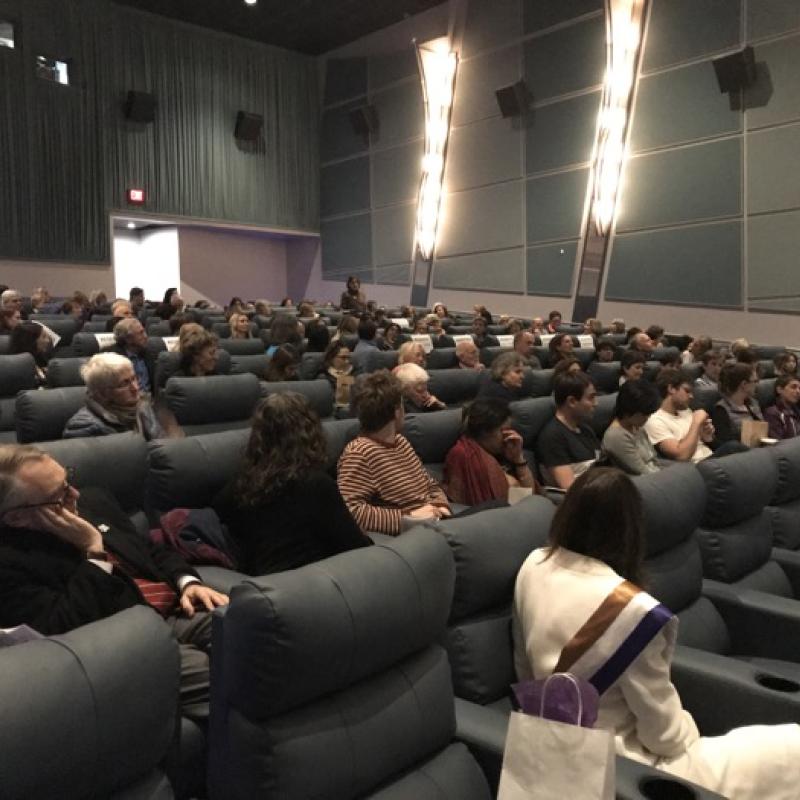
column 549, row 759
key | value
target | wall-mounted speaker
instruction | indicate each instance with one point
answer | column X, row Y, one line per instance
column 514, row 100
column 248, row 126
column 140, row 107
column 736, row 71
column 364, row 120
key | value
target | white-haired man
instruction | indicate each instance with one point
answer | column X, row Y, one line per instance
column 468, row 355
column 131, row 341
column 417, row 399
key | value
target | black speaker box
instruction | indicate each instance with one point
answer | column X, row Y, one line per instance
column 514, row 100
column 736, row 71
column 140, row 107
column 248, row 126
column 364, row 120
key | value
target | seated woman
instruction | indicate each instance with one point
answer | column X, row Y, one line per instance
column 784, row 415
column 506, row 375
column 694, row 352
column 626, row 442
column 337, row 369
column 115, row 405
column 594, row 567
column 286, row 329
column 348, row 326
column 411, row 353
column 631, row 366
column 283, row 364
column 392, row 337
column 240, row 326
column 487, row 459
column 198, row 349
column 30, row 337
column 605, row 351
column 785, row 364
column 737, row 385
column 282, row 508
column 440, row 309
column 416, row 397
column 560, row 347
column 569, row 365
column 318, row 336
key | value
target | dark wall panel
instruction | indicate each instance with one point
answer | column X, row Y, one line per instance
column 690, row 183
column 773, row 169
column 346, row 243
column 773, row 242
column 698, row 265
column 400, row 114
column 390, row 67
column 550, row 268
column 783, row 61
column 683, row 29
column 554, row 205
column 393, row 234
column 344, row 187
column 339, row 138
column 479, row 78
column 540, row 14
column 491, row 24
column 499, row 271
column 345, row 79
column 485, row 152
column 394, row 275
column 396, row 173
column 562, row 134
column 769, row 17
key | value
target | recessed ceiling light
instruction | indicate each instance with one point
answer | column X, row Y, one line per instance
column 250, row 2
column 131, row 226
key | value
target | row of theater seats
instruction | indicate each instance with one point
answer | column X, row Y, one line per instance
column 355, row 698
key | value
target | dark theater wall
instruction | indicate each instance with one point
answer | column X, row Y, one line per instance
column 67, row 154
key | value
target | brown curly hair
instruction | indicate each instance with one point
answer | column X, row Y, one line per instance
column 286, row 443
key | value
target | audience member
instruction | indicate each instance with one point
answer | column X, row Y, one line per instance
column 380, row 476
column 567, row 446
column 392, row 336
column 737, row 345
column 655, row 333
column 749, row 356
column 286, row 302
column 561, row 346
column 785, row 364
column 353, row 299
column 136, row 299
column 737, row 385
column 468, row 356
column 69, row 558
column 569, row 365
column 239, row 324
column 198, row 349
column 675, row 430
column 172, row 304
column 30, row 337
column 348, row 326
column 130, row 340
column 115, row 405
column 593, row 567
column 487, row 459
column 643, row 343
column 282, row 365
column 537, row 326
column 440, row 309
column 606, row 351
column 420, row 326
column 367, row 336
column 286, row 329
column 121, row 309
column 553, row 322
column 593, row 327
column 625, row 441
column 694, row 352
column 631, row 366
column 11, row 299
column 506, row 376
column 617, row 326
column 481, row 335
column 282, row 508
column 435, row 330
column 417, row 399
column 712, row 364
column 524, row 342
column 306, row 310
column 411, row 353
column 40, row 300
column 263, row 308
column 513, row 327
column 337, row 369
column 784, row 415
column 318, row 336
column 482, row 311
column 9, row 319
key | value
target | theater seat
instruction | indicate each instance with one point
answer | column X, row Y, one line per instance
column 692, row 371
column 432, row 436
column 373, row 359
column 65, row 372
column 318, row 393
column 243, row 347
column 85, row 345
column 784, row 505
column 766, row 368
column 310, row 366
column 454, row 386
column 605, row 376
column 353, row 699
column 40, row 415
column 765, row 392
column 705, row 398
column 489, row 354
column 90, row 713
column 603, row 414
column 442, row 358
column 17, row 373
column 254, row 364
column 167, row 364
column 538, row 382
column 768, row 351
column 528, row 417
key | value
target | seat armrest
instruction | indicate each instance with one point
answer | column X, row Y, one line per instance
column 760, row 624
column 738, row 697
column 636, row 781
column 221, row 579
column 789, row 560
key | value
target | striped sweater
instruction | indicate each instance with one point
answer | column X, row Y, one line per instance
column 379, row 482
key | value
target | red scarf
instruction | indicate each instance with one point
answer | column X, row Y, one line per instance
column 472, row 476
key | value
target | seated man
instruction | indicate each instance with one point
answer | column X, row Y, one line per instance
column 468, row 356
column 380, row 476
column 567, row 446
column 481, row 335
column 712, row 366
column 524, row 342
column 367, row 336
column 643, row 343
column 69, row 558
column 131, row 342
column 675, row 430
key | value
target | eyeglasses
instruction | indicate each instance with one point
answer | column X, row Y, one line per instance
column 60, row 500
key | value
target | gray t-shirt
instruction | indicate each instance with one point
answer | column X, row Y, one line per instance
column 630, row 451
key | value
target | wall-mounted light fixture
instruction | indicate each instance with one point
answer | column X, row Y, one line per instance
column 437, row 67
column 624, row 29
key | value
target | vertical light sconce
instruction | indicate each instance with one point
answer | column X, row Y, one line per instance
column 437, row 67
column 624, row 32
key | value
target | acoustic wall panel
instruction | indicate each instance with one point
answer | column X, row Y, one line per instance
column 498, row 271
column 393, row 234
column 390, row 67
column 690, row 183
column 345, row 78
column 697, row 265
column 783, row 61
column 394, row 275
column 489, row 151
column 562, row 134
column 479, row 78
column 566, row 60
column 482, row 219
column 550, row 268
column 491, row 24
column 396, row 173
column 344, row 187
column 773, row 169
column 681, row 105
column 680, row 30
column 346, row 243
column 400, row 114
column 770, row 17
column 554, row 205
column 540, row 14
column 773, row 241
column 339, row 140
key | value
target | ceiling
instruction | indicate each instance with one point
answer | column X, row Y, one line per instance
column 308, row 26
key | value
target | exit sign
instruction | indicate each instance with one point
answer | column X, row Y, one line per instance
column 136, row 197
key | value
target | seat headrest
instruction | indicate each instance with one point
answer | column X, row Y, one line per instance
column 538, row 382
column 85, row 344
column 603, row 413
column 254, row 364
column 433, row 434
column 65, row 372
column 442, row 358
column 318, row 393
column 673, row 502
column 214, row 398
column 374, row 359
column 528, row 417
column 605, row 375
column 310, row 366
column 454, row 386
column 787, row 458
column 17, row 373
column 738, row 486
column 40, row 416
column 243, row 347
column 338, row 432
column 295, row 636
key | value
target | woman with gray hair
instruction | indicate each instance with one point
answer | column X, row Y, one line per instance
column 416, row 397
column 115, row 405
column 507, row 374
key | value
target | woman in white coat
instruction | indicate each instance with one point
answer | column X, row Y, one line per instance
column 578, row 608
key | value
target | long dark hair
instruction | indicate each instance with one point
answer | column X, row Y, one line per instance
column 286, row 442
column 601, row 517
column 25, row 339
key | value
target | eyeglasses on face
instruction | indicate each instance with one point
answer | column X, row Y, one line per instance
column 59, row 499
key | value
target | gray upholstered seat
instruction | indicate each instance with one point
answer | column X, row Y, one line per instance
column 85, row 345
column 784, row 505
column 603, row 414
column 167, row 365
column 528, row 417
column 310, row 366
column 489, row 354
column 40, row 415
column 17, row 373
column 765, row 392
column 254, row 364
column 454, row 386
column 432, row 435
column 243, row 347
column 65, row 372
column 604, row 375
column 318, row 393
column 538, row 382
column 441, row 358
column 373, row 359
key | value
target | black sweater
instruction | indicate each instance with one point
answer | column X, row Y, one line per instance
column 306, row 522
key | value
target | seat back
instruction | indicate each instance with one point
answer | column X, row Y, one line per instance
column 604, row 375
column 784, row 506
column 603, row 414
column 65, row 327
column 538, row 382
column 65, row 372
column 373, row 359
column 158, row 327
column 215, row 399
column 768, row 351
column 705, row 398
column 766, row 368
column 17, row 373
column 454, row 386
column 528, row 417
column 310, row 366
column 40, row 416
column 488, row 550
column 442, row 358
column 765, row 392
column 243, row 347
column 85, row 345
column 319, row 394
column 355, row 684
column 489, row 354
column 167, row 365
column 254, row 364
column 433, row 434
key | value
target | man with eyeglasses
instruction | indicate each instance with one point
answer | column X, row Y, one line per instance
column 68, row 558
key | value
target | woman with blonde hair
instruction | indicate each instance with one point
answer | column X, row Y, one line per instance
column 411, row 353
column 240, row 326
